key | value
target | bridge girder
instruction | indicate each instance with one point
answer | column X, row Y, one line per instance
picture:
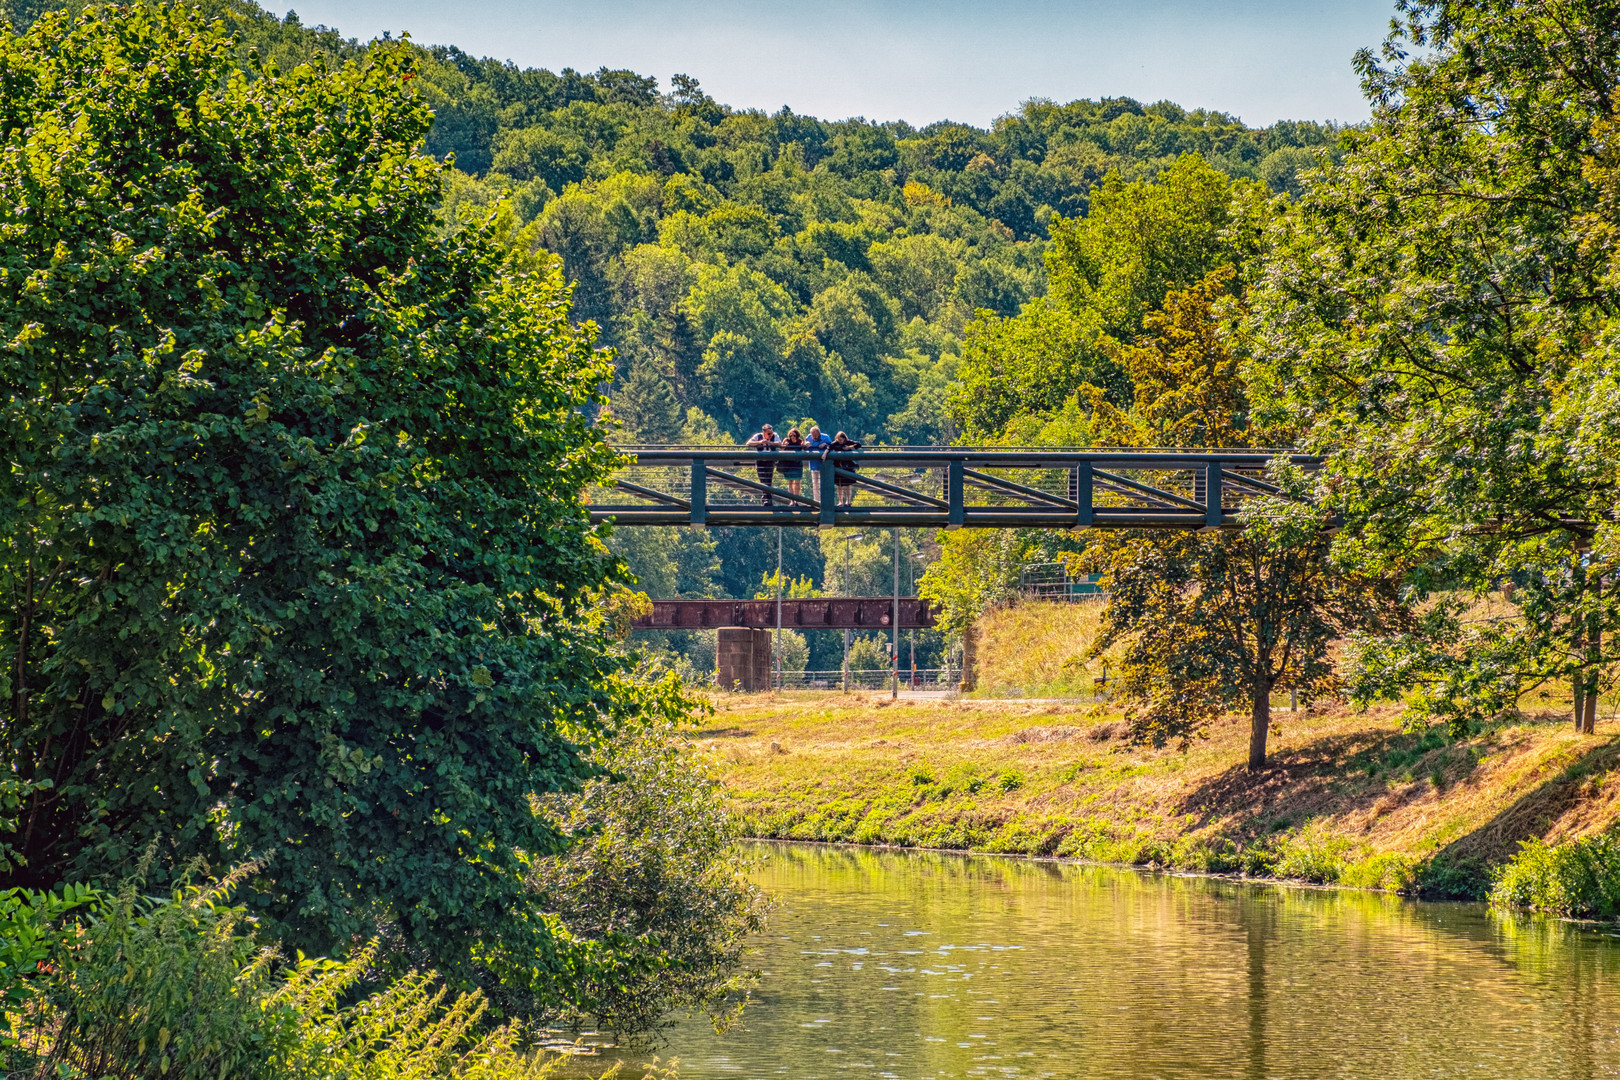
column 910, row 487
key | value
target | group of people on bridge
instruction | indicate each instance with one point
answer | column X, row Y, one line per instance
column 766, row 442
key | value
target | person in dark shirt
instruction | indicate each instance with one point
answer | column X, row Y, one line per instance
column 792, row 471
column 764, row 440
column 845, row 467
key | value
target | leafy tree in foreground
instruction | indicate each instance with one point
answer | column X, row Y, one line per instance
column 290, row 536
column 1438, row 314
column 1210, row 622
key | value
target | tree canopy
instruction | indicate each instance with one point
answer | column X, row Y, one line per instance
column 1438, row 315
column 291, row 536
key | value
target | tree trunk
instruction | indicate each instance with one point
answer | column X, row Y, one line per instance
column 1259, row 725
column 1577, row 644
column 1594, row 656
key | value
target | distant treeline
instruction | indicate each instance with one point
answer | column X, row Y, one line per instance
column 773, row 267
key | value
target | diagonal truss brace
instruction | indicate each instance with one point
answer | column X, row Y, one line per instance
column 986, row 482
column 916, row 498
column 1152, row 494
column 764, row 489
column 649, row 493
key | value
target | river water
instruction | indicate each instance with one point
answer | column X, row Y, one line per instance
column 915, row 964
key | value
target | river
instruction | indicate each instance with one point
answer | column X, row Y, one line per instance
column 916, row 964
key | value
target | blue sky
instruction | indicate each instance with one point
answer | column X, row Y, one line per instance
column 920, row 61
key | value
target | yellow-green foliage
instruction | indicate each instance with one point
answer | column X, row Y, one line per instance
column 181, row 990
column 1577, row 877
column 1035, row 650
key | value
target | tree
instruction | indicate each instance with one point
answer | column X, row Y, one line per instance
column 1436, row 314
column 1185, row 379
column 652, row 868
column 645, row 404
column 1107, row 271
column 291, row 537
column 1213, row 622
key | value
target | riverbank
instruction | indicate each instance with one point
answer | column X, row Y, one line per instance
column 1349, row 799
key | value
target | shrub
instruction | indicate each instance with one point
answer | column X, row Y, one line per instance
column 173, row 988
column 1447, row 877
column 1579, row 878
column 654, row 883
column 34, row 929
column 180, row 988
column 1312, row 854
column 1389, row 871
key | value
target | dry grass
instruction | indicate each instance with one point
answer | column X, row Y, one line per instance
column 1060, row 779
column 1035, row 650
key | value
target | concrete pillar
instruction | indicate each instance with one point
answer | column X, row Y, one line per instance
column 743, row 658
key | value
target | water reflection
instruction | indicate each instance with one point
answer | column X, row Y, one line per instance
column 912, row 965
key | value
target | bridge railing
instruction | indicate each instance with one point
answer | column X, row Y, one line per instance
column 949, row 487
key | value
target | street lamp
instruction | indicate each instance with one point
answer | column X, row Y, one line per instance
column 848, row 540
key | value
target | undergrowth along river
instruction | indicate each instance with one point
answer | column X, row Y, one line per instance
column 905, row 965
column 1349, row 797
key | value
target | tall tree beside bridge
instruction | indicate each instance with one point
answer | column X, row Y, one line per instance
column 290, row 532
column 1212, row 622
column 1440, row 315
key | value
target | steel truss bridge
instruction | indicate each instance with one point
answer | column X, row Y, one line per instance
column 939, row 487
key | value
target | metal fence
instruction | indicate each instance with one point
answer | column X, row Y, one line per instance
column 873, row 679
column 1052, row 581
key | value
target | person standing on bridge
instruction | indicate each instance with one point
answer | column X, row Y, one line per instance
column 765, row 442
column 844, row 468
column 792, row 471
column 816, row 443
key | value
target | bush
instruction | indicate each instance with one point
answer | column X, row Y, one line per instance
column 1312, row 854
column 34, row 929
column 1447, row 877
column 1388, row 871
column 1577, row 878
column 653, row 885
column 180, row 988
column 173, row 988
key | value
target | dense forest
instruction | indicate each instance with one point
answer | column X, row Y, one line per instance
column 751, row 267
column 771, row 267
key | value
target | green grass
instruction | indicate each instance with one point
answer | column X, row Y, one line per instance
column 1350, row 799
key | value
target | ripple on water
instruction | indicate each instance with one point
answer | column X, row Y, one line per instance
column 1053, row 970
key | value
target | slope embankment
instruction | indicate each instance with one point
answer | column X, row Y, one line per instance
column 1349, row 798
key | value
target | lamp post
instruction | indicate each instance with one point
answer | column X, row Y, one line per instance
column 894, row 624
column 779, row 607
column 847, row 540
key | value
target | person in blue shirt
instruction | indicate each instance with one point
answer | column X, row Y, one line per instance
column 816, row 443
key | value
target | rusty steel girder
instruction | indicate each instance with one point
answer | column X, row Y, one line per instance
column 823, row 613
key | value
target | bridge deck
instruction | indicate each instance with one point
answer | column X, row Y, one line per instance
column 822, row 612
column 938, row 487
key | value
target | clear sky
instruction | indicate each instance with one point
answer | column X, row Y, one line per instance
column 922, row 60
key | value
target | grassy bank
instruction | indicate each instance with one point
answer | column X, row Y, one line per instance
column 1350, row 799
